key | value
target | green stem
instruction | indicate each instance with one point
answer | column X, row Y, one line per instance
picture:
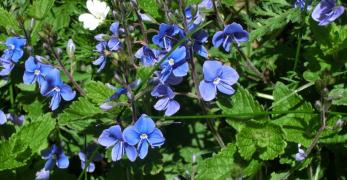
column 88, row 162
column 297, row 54
column 11, row 96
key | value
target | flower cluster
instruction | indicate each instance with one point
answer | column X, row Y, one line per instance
column 107, row 45
column 17, row 120
column 49, row 81
column 12, row 54
column 326, row 12
column 143, row 134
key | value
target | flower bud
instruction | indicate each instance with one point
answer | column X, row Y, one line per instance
column 70, row 48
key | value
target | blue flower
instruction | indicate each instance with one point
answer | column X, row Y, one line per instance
column 42, row 175
column 35, row 71
column 6, row 66
column 301, row 4
column 166, row 35
column 55, row 155
column 199, row 39
column 55, row 88
column 113, row 137
column 207, row 4
column 101, row 48
column 147, row 55
column 326, row 12
column 166, row 102
column 3, row 118
column 217, row 76
column 192, row 21
column 231, row 33
column 175, row 63
column 84, row 158
column 17, row 120
column 14, row 49
column 301, row 155
column 144, row 134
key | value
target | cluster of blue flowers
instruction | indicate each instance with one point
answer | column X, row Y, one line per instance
column 107, row 45
column 324, row 13
column 48, row 78
column 143, row 134
column 17, row 120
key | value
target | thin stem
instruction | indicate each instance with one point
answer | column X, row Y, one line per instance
column 66, row 72
column 11, row 96
column 219, row 19
column 142, row 25
column 251, row 67
column 297, row 54
column 126, row 31
column 88, row 162
column 196, row 83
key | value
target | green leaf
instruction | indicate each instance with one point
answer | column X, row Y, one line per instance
column 29, row 140
column 98, row 92
column 7, row 20
column 150, row 7
column 79, row 110
column 35, row 134
column 219, row 166
column 265, row 138
column 339, row 95
column 299, row 127
column 192, row 2
column 40, row 8
column 26, row 87
column 241, row 102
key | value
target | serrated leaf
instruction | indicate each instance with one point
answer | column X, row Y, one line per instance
column 150, row 7
column 7, row 20
column 339, row 95
column 241, row 102
column 81, row 109
column 299, row 127
column 30, row 139
column 40, row 8
column 267, row 139
column 98, row 92
column 35, row 134
column 219, row 166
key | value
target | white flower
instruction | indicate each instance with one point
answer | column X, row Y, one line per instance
column 98, row 12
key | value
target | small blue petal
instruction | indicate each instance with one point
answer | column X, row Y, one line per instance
column 207, row 90
column 143, row 149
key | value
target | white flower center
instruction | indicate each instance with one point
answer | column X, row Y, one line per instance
column 171, row 62
column 143, row 136
column 56, row 89
column 37, row 72
column 216, row 81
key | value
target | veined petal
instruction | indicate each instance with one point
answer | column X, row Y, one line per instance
column 218, row 39
column 172, row 107
column 29, row 77
column 162, row 104
column 181, row 70
column 207, row 90
column 143, row 149
column 225, row 88
column 131, row 152
column 156, row 138
column 131, row 136
column 211, row 70
column 62, row 161
column 109, row 136
column 55, row 101
column 30, row 64
column 67, row 93
column 144, row 125
column 117, row 151
column 229, row 75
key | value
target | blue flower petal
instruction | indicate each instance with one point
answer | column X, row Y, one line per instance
column 114, row 27
column 218, row 39
column 143, row 149
column 207, row 90
column 110, row 136
column 30, row 64
column 49, row 164
column 131, row 136
column 131, row 152
column 229, row 75
column 67, row 93
column 211, row 70
column 162, row 104
column 29, row 77
column 82, row 156
column 113, row 44
column 144, row 125
column 3, row 118
column 225, row 88
column 172, row 107
column 55, row 101
column 62, row 161
column 156, row 138
column 181, row 70
column 117, row 151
